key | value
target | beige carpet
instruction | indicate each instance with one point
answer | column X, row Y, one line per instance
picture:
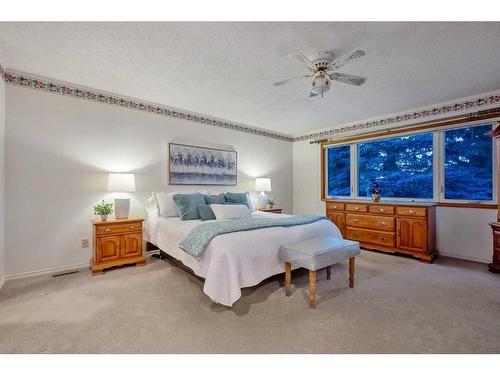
column 399, row 305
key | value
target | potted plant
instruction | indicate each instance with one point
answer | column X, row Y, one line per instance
column 104, row 209
column 271, row 202
column 375, row 190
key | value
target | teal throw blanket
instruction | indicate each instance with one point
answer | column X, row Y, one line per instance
column 198, row 239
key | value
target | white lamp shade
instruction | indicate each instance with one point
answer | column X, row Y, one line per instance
column 263, row 184
column 121, row 182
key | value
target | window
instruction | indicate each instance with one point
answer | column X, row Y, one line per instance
column 468, row 165
column 339, row 171
column 401, row 166
column 452, row 164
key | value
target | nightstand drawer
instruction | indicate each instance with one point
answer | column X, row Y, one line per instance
column 105, row 229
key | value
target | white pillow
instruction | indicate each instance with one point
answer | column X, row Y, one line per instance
column 166, row 204
column 152, row 206
column 230, row 211
column 250, row 204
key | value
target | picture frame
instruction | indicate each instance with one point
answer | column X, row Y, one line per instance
column 198, row 165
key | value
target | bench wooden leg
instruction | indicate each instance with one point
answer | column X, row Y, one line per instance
column 312, row 289
column 288, row 278
column 351, row 272
column 328, row 272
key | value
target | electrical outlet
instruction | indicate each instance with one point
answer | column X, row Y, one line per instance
column 85, row 243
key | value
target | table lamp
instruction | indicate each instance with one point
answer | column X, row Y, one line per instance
column 262, row 184
column 121, row 183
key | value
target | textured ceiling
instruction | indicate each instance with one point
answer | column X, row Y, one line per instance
column 227, row 69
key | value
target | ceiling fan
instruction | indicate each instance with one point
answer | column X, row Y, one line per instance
column 323, row 69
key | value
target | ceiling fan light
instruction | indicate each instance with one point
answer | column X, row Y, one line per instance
column 321, row 84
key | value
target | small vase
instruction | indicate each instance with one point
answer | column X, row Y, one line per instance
column 376, row 197
column 104, row 217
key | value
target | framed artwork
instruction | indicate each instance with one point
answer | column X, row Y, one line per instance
column 193, row 165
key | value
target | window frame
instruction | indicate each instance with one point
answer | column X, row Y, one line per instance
column 350, row 170
column 438, row 146
column 442, row 179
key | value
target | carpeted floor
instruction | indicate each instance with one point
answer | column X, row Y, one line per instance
column 399, row 305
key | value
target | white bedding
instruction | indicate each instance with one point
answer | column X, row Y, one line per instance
column 234, row 260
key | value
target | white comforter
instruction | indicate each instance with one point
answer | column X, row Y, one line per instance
column 234, row 260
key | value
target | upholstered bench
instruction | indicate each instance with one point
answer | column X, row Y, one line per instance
column 315, row 254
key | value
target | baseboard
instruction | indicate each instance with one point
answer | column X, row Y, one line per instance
column 46, row 271
column 59, row 269
column 472, row 259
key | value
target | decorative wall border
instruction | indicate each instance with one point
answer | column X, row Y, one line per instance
column 24, row 80
column 403, row 117
column 460, row 105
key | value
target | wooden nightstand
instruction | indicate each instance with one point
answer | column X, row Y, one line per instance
column 272, row 210
column 116, row 242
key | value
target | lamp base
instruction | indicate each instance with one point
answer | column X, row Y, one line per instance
column 122, row 208
column 261, row 201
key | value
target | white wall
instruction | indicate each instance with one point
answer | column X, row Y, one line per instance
column 60, row 149
column 461, row 232
column 2, row 179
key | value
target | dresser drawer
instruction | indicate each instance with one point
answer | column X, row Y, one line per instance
column 381, row 209
column 355, row 207
column 335, row 206
column 106, row 229
column 371, row 236
column 412, row 211
column 371, row 222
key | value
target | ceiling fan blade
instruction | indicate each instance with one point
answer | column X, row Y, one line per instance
column 347, row 78
column 347, row 58
column 299, row 56
column 279, row 83
column 313, row 93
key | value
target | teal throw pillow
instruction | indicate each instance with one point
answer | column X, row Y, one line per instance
column 206, row 212
column 238, row 198
column 187, row 205
column 215, row 199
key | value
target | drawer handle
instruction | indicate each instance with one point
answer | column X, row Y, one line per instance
column 356, row 208
column 107, row 230
column 355, row 236
column 355, row 220
column 132, row 227
column 383, row 239
column 411, row 212
column 334, row 206
column 381, row 210
column 382, row 223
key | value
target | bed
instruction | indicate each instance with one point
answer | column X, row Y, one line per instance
column 233, row 260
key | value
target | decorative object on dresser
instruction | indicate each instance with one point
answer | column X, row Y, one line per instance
column 274, row 210
column 195, row 165
column 375, row 190
column 494, row 266
column 395, row 227
column 262, row 184
column 116, row 242
column 121, row 183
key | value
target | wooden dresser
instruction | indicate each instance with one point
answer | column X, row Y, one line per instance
column 116, row 242
column 395, row 227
